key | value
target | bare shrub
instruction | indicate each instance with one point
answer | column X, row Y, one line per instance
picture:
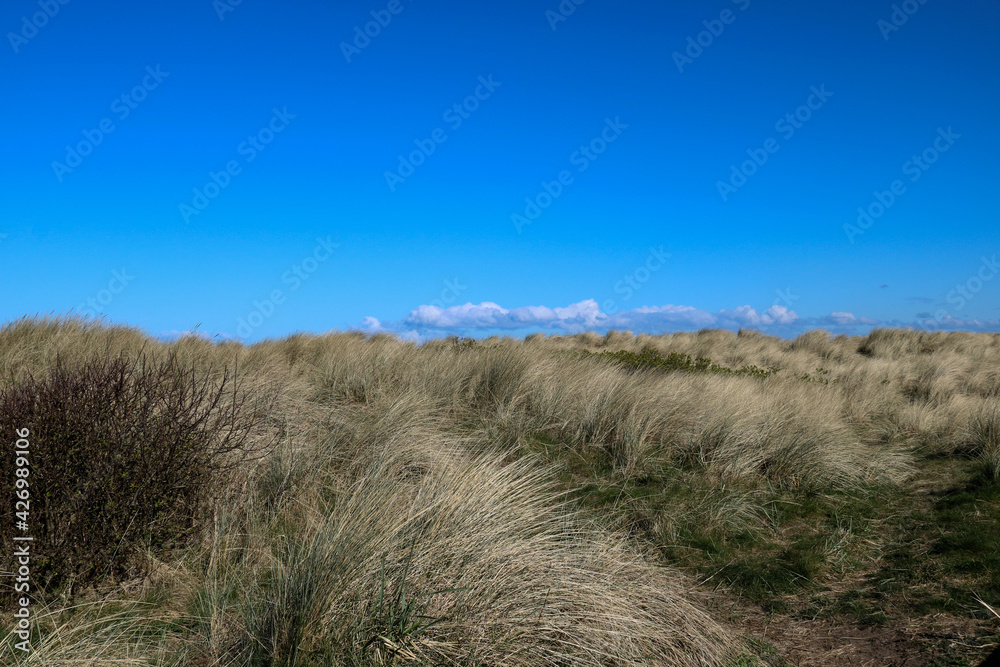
column 122, row 451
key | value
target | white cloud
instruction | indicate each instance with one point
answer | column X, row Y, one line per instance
column 665, row 316
column 847, row 321
column 781, row 315
column 428, row 321
column 950, row 323
column 843, row 319
column 486, row 314
column 749, row 317
column 586, row 315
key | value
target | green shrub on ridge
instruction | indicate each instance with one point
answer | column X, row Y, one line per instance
column 651, row 358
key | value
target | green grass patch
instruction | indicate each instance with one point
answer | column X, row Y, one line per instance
column 762, row 542
column 652, row 359
column 908, row 552
column 938, row 552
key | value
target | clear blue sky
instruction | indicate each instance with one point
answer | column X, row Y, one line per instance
column 391, row 181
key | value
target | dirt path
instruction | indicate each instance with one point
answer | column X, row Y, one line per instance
column 834, row 643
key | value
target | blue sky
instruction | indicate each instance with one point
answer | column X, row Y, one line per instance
column 262, row 168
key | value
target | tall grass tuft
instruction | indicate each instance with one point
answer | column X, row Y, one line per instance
column 984, row 436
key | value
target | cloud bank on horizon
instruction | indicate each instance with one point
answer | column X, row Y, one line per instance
column 489, row 318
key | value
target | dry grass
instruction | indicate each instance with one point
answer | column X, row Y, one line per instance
column 410, row 512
